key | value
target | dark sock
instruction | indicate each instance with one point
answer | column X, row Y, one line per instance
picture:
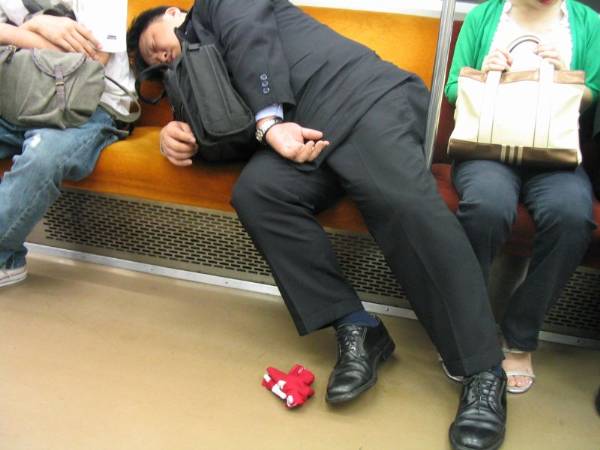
column 497, row 370
column 361, row 318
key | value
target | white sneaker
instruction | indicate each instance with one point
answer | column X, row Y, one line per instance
column 12, row 276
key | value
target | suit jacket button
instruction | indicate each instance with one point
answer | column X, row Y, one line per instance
column 265, row 84
column 266, row 90
column 263, row 76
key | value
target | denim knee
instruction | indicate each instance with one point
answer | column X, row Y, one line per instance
column 40, row 164
column 489, row 194
column 486, row 215
column 570, row 222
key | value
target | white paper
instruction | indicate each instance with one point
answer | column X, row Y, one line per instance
column 107, row 20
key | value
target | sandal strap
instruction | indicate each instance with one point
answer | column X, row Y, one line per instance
column 513, row 350
column 520, row 373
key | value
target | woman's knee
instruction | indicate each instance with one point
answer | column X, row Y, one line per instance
column 489, row 193
column 569, row 220
column 487, row 214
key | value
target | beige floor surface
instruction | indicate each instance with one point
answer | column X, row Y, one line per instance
column 96, row 358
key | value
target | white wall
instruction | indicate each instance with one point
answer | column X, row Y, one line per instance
column 428, row 8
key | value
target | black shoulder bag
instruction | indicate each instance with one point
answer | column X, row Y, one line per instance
column 200, row 92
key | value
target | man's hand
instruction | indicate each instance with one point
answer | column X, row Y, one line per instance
column 498, row 59
column 296, row 143
column 65, row 34
column 178, row 144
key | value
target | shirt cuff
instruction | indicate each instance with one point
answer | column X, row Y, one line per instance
column 273, row 110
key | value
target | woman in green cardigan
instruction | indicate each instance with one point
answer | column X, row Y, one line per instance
column 559, row 201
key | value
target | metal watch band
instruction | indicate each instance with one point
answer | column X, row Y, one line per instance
column 261, row 131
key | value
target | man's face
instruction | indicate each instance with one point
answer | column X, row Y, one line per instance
column 158, row 42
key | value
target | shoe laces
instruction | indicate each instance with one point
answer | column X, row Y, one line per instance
column 349, row 340
column 483, row 390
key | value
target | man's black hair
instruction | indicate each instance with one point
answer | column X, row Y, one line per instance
column 138, row 26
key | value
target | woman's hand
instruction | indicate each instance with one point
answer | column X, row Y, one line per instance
column 497, row 59
column 550, row 53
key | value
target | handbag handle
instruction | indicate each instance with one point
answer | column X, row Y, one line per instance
column 544, row 106
column 493, row 78
column 523, row 39
column 486, row 118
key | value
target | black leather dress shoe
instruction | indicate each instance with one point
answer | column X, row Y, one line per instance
column 360, row 349
column 480, row 423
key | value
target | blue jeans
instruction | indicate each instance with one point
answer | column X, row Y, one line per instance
column 560, row 203
column 42, row 158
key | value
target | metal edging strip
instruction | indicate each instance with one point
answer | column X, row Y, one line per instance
column 439, row 77
column 249, row 286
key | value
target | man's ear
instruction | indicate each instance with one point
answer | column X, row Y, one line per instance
column 172, row 11
column 175, row 15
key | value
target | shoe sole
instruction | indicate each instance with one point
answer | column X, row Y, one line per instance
column 456, row 446
column 385, row 354
column 13, row 280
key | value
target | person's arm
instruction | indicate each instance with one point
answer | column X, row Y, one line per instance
column 249, row 36
column 591, row 63
column 253, row 52
column 64, row 33
column 24, row 38
column 20, row 37
column 464, row 55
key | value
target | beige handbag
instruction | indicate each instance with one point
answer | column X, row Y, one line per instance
column 528, row 118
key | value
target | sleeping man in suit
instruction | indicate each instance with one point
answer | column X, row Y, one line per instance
column 337, row 120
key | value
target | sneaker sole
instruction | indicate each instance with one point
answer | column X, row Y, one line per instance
column 13, row 280
column 385, row 354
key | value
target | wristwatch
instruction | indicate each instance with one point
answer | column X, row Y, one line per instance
column 264, row 127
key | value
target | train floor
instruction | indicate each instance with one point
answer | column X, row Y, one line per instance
column 95, row 358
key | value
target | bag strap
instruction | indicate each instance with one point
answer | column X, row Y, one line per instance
column 40, row 7
column 34, row 6
column 492, row 82
column 544, row 100
column 127, row 118
column 204, row 36
column 544, row 106
column 486, row 117
column 156, row 72
column 523, row 39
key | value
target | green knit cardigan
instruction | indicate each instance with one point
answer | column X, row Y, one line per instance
column 479, row 28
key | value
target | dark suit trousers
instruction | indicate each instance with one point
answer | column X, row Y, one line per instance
column 381, row 167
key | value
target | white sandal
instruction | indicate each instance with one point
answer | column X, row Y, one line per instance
column 518, row 373
column 455, row 378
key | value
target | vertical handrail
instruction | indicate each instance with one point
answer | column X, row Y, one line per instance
column 439, row 76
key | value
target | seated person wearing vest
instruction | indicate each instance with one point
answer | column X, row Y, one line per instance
column 43, row 157
column 336, row 120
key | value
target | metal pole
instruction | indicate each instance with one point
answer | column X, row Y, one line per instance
column 439, row 76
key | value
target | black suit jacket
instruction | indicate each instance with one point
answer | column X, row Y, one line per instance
column 276, row 53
